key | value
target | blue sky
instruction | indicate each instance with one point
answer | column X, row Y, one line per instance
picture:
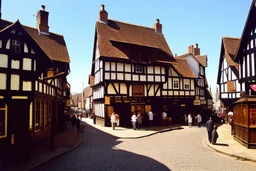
column 185, row 22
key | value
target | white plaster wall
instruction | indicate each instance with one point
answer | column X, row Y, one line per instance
column 127, row 77
column 135, row 77
column 225, row 64
column 120, row 67
column 8, row 44
column 107, row 66
column 27, row 64
column 107, row 76
column 157, row 69
column 157, row 78
column 15, row 82
column 113, row 76
column 151, row 91
column 15, row 64
column 127, row 68
column 0, row 43
column 150, row 69
column 193, row 64
column 2, row 81
column 25, row 48
column 113, row 66
column 150, row 78
column 34, row 65
column 123, row 89
column 253, row 66
column 120, row 76
column 3, row 61
column 142, row 77
column 26, row 85
column 111, row 89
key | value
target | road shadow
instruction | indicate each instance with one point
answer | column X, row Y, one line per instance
column 221, row 144
column 100, row 152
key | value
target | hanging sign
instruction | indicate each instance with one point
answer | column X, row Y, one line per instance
column 253, row 86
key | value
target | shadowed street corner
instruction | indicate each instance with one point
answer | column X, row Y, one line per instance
column 100, row 152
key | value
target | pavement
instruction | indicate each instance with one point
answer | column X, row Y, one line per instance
column 225, row 143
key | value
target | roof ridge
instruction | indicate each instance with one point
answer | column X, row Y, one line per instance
column 132, row 24
column 227, row 37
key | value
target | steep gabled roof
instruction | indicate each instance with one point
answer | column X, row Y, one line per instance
column 202, row 60
column 76, row 98
column 250, row 21
column 127, row 35
column 229, row 46
column 183, row 56
column 183, row 68
column 53, row 45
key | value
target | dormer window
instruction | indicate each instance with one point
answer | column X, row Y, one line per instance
column 139, row 69
column 15, row 46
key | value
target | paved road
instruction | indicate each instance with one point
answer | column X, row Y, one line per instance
column 178, row 150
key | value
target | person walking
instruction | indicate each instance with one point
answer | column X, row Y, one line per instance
column 199, row 120
column 185, row 119
column 77, row 124
column 150, row 117
column 209, row 127
column 189, row 120
column 133, row 119
column 113, row 120
column 139, row 121
column 215, row 135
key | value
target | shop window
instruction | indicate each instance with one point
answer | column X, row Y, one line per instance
column 3, row 120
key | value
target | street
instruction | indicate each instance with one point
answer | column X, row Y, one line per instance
column 175, row 150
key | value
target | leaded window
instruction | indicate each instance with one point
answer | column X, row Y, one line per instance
column 15, row 46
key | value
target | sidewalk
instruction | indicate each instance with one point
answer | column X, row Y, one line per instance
column 64, row 142
column 226, row 144
column 129, row 133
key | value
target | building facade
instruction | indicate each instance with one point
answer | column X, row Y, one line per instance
column 34, row 64
column 134, row 70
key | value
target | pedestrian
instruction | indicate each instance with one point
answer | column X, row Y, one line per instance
column 215, row 134
column 113, row 120
column 199, row 120
column 150, row 117
column 185, row 119
column 77, row 124
column 117, row 119
column 189, row 120
column 231, row 122
column 73, row 120
column 209, row 127
column 139, row 121
column 133, row 119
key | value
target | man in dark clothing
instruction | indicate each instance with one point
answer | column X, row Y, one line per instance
column 78, row 124
column 209, row 127
column 73, row 120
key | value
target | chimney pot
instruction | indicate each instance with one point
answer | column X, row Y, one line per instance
column 43, row 7
column 102, row 7
column 197, row 45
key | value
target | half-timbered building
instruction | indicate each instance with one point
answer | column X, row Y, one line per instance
column 245, row 107
column 198, row 63
column 34, row 64
column 228, row 73
column 130, row 66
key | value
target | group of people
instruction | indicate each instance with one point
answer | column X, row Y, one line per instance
column 75, row 121
column 189, row 120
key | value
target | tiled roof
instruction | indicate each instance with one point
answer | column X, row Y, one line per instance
column 186, row 54
column 231, row 45
column 183, row 68
column 53, row 45
column 123, row 34
column 202, row 59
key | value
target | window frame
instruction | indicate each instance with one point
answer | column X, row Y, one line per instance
column 173, row 84
column 186, row 84
column 5, row 121
column 139, row 69
column 15, row 46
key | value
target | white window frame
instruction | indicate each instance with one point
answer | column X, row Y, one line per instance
column 5, row 122
column 174, row 84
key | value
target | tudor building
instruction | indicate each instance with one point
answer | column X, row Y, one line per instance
column 134, row 70
column 229, row 86
column 34, row 64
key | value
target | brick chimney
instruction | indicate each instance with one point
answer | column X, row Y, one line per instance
column 158, row 26
column 42, row 20
column 194, row 50
column 103, row 15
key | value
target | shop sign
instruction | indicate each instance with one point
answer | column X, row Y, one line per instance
column 138, row 90
column 203, row 102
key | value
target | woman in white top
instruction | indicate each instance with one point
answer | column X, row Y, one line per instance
column 134, row 118
column 189, row 120
column 113, row 120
